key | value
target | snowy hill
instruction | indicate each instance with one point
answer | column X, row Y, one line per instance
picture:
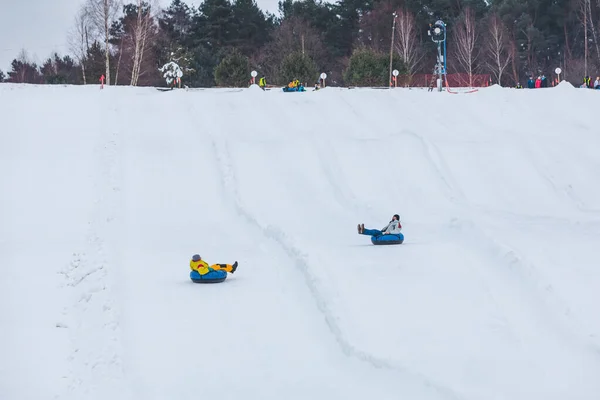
column 105, row 196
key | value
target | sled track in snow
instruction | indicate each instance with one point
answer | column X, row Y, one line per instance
column 335, row 177
column 299, row 259
column 92, row 316
column 525, row 270
column 433, row 155
column 524, row 275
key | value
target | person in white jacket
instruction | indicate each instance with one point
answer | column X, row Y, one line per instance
column 392, row 228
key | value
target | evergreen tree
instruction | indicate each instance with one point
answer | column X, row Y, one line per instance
column 372, row 68
column 350, row 12
column 24, row 71
column 95, row 63
column 176, row 23
column 233, row 71
column 2, row 77
column 57, row 70
column 251, row 29
column 298, row 66
column 175, row 43
column 214, row 25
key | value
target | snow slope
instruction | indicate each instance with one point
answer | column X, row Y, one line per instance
column 105, row 195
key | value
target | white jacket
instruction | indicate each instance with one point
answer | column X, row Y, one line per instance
column 394, row 227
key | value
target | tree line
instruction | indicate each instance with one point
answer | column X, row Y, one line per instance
column 219, row 42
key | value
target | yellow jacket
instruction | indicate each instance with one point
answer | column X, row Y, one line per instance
column 200, row 266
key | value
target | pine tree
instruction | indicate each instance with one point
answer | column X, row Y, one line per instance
column 57, row 70
column 233, row 71
column 95, row 63
column 251, row 29
column 24, row 71
column 371, row 68
column 298, row 66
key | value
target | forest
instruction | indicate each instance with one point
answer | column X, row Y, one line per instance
column 219, row 42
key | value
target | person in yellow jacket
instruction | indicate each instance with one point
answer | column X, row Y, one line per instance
column 262, row 83
column 199, row 265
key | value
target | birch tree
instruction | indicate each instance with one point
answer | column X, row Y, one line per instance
column 406, row 41
column 102, row 13
column 466, row 43
column 79, row 38
column 499, row 53
column 586, row 16
column 142, row 31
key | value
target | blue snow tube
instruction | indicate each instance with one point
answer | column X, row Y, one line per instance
column 388, row 239
column 298, row 89
column 212, row 277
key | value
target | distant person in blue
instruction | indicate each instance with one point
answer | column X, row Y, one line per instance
column 394, row 227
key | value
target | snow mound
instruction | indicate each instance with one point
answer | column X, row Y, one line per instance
column 255, row 88
column 494, row 88
column 564, row 85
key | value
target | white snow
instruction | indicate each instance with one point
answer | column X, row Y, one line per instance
column 104, row 199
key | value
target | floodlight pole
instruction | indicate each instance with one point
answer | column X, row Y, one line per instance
column 438, row 36
column 392, row 46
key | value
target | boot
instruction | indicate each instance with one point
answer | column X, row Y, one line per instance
column 234, row 267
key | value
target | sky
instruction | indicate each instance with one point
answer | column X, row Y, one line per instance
column 46, row 27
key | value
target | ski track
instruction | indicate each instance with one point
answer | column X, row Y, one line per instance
column 526, row 270
column 299, row 259
column 336, row 179
column 439, row 165
column 92, row 317
column 566, row 192
column 528, row 278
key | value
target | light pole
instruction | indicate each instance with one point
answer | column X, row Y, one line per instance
column 438, row 35
column 392, row 46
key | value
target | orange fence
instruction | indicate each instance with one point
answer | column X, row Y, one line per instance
column 453, row 80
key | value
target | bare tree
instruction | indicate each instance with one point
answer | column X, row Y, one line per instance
column 79, row 38
column 293, row 35
column 512, row 48
column 499, row 53
column 466, row 42
column 102, row 14
column 406, row 42
column 585, row 14
column 141, row 35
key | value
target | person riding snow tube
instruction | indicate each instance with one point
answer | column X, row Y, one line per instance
column 294, row 86
column 390, row 234
column 201, row 272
